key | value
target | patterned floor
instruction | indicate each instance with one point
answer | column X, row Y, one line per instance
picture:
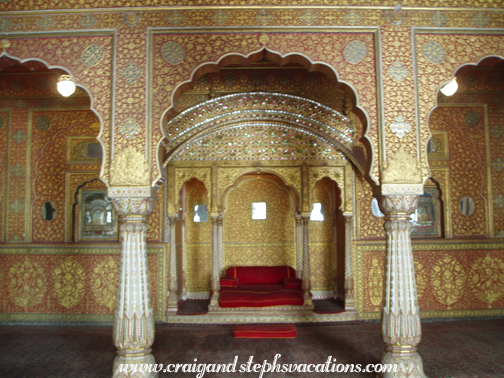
column 457, row 349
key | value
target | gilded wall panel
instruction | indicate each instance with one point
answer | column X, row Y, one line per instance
column 460, row 278
column 199, row 266
column 16, row 231
column 199, row 238
column 327, row 47
column 88, row 58
column 466, row 131
column 438, row 56
column 263, row 254
column 247, row 16
column 48, row 155
column 321, row 246
column 69, row 283
column 369, row 226
column 5, row 164
column 239, row 227
column 399, row 129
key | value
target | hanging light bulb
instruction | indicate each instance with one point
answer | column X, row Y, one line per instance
column 450, row 88
column 66, row 86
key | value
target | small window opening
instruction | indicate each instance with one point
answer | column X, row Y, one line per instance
column 259, row 210
column 317, row 213
column 200, row 213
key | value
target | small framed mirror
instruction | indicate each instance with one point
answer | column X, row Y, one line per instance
column 467, row 206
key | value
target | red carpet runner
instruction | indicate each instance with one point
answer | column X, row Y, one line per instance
column 269, row 331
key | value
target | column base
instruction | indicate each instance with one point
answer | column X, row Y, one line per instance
column 408, row 365
column 143, row 366
column 349, row 304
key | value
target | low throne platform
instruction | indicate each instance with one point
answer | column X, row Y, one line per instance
column 261, row 290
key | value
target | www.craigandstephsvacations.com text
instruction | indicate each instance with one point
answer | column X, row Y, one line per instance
column 276, row 366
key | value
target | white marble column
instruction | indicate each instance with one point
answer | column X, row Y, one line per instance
column 215, row 279
column 299, row 246
column 349, row 280
column 306, row 262
column 134, row 319
column 401, row 330
column 172, row 306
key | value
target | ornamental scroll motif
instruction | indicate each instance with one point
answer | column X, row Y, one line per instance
column 228, row 176
column 129, row 167
column 185, row 174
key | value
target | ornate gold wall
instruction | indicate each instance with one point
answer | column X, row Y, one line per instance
column 70, row 283
column 249, row 242
column 134, row 63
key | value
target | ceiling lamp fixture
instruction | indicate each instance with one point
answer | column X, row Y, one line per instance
column 450, row 88
column 66, row 85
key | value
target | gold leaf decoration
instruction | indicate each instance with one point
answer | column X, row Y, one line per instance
column 401, row 168
column 421, row 277
column 69, row 282
column 488, row 279
column 27, row 284
column 448, row 281
column 104, row 281
column 129, row 167
column 375, row 283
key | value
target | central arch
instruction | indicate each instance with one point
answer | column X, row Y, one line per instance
column 274, row 110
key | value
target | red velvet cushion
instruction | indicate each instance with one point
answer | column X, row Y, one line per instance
column 269, row 331
column 239, row 298
column 229, row 282
column 292, row 283
column 261, row 274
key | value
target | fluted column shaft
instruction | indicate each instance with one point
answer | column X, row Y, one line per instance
column 184, row 256
column 299, row 246
column 349, row 280
column 401, row 330
column 335, row 256
column 172, row 277
column 133, row 331
column 215, row 280
column 306, row 262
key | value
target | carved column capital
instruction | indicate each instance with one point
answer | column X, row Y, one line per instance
column 398, row 207
column 133, row 205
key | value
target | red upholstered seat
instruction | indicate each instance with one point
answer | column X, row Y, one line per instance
column 257, row 275
column 267, row 331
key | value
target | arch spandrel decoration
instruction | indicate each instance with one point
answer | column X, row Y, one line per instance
column 337, row 174
column 433, row 71
column 291, row 176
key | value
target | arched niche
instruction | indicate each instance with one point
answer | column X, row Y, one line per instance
column 265, row 241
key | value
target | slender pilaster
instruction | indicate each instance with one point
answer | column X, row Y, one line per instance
column 172, row 277
column 349, row 280
column 299, row 246
column 134, row 319
column 184, row 257
column 306, row 262
column 335, row 255
column 220, row 226
column 215, row 280
column 401, row 330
